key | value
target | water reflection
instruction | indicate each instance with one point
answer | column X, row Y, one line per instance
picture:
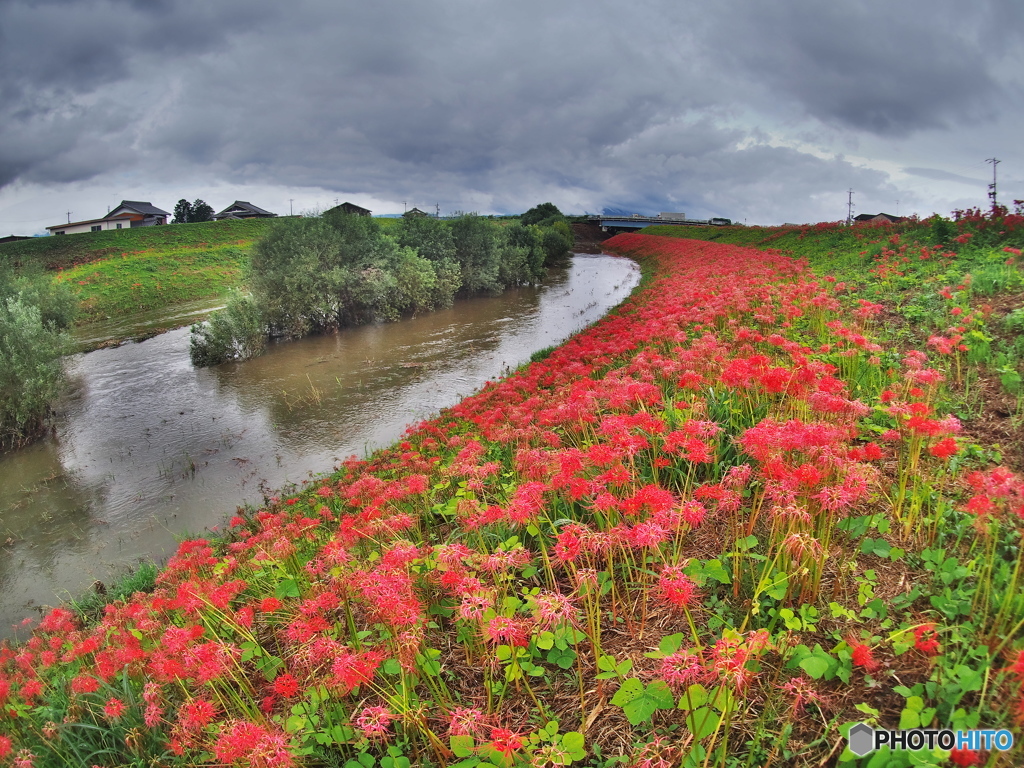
column 149, row 449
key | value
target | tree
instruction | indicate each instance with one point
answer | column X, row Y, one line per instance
column 189, row 213
column 182, row 212
column 540, row 213
column 201, row 211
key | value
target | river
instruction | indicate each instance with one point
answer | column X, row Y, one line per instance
column 148, row 450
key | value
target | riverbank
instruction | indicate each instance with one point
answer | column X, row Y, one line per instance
column 727, row 522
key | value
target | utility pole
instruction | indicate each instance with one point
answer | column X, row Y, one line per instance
column 992, row 186
column 437, row 209
column 405, row 206
column 291, row 208
column 69, row 217
column 849, row 207
column 897, row 209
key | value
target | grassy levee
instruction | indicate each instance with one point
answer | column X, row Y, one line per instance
column 119, row 272
column 66, row 251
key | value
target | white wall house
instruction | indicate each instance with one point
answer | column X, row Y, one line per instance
column 130, row 213
column 93, row 225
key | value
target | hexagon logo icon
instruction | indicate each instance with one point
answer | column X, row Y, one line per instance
column 862, row 739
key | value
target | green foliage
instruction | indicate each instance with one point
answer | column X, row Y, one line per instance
column 182, row 212
column 34, row 314
column 314, row 275
column 238, row 332
column 201, row 211
column 89, row 606
column 540, row 213
column 192, row 213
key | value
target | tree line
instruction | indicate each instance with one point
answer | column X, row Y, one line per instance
column 317, row 274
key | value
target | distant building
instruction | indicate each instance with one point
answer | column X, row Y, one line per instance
column 240, row 209
column 13, row 238
column 672, row 216
column 877, row 218
column 415, row 213
column 130, row 213
column 349, row 208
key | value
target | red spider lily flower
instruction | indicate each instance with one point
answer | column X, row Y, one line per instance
column 505, row 741
column 466, row 721
column 374, row 722
column 945, row 448
column 803, row 692
column 676, row 588
column 862, row 656
column 249, row 744
column 85, row 684
column 6, row 746
column 965, row 757
column 502, row 629
column 926, row 639
column 286, row 685
column 114, row 708
column 682, row 669
column 195, row 715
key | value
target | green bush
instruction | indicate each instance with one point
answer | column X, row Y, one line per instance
column 34, row 316
column 314, row 275
column 237, row 332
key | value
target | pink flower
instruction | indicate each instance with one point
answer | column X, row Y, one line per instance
column 374, row 722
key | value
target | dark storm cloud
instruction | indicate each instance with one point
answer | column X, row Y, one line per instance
column 488, row 103
column 887, row 68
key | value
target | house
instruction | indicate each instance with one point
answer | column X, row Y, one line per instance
column 877, row 218
column 349, row 208
column 14, row 238
column 240, row 209
column 130, row 213
column 415, row 213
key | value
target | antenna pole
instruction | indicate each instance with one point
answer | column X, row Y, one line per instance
column 992, row 186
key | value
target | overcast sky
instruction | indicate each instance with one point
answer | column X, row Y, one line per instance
column 760, row 112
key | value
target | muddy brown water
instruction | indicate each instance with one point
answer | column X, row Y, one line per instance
column 148, row 450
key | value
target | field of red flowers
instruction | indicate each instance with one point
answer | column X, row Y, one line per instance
column 717, row 528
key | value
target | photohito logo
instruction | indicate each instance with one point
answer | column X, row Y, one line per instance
column 864, row 739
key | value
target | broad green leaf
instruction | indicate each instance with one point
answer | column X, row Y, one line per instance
column 702, row 722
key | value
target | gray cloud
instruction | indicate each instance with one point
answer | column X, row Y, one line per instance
column 498, row 105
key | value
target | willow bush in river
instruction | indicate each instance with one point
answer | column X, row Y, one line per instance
column 315, row 275
column 34, row 314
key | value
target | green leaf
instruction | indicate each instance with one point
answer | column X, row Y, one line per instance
column 815, row 666
column 574, row 743
column 286, row 588
column 628, row 691
column 696, row 696
column 714, row 569
column 462, row 746
column 639, row 703
column 702, row 722
column 671, row 643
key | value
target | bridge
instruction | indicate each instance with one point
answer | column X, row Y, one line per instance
column 636, row 221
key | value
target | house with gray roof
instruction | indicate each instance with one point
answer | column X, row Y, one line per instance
column 129, row 214
column 241, row 209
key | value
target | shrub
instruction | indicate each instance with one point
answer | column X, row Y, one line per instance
column 237, row 332
column 34, row 314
